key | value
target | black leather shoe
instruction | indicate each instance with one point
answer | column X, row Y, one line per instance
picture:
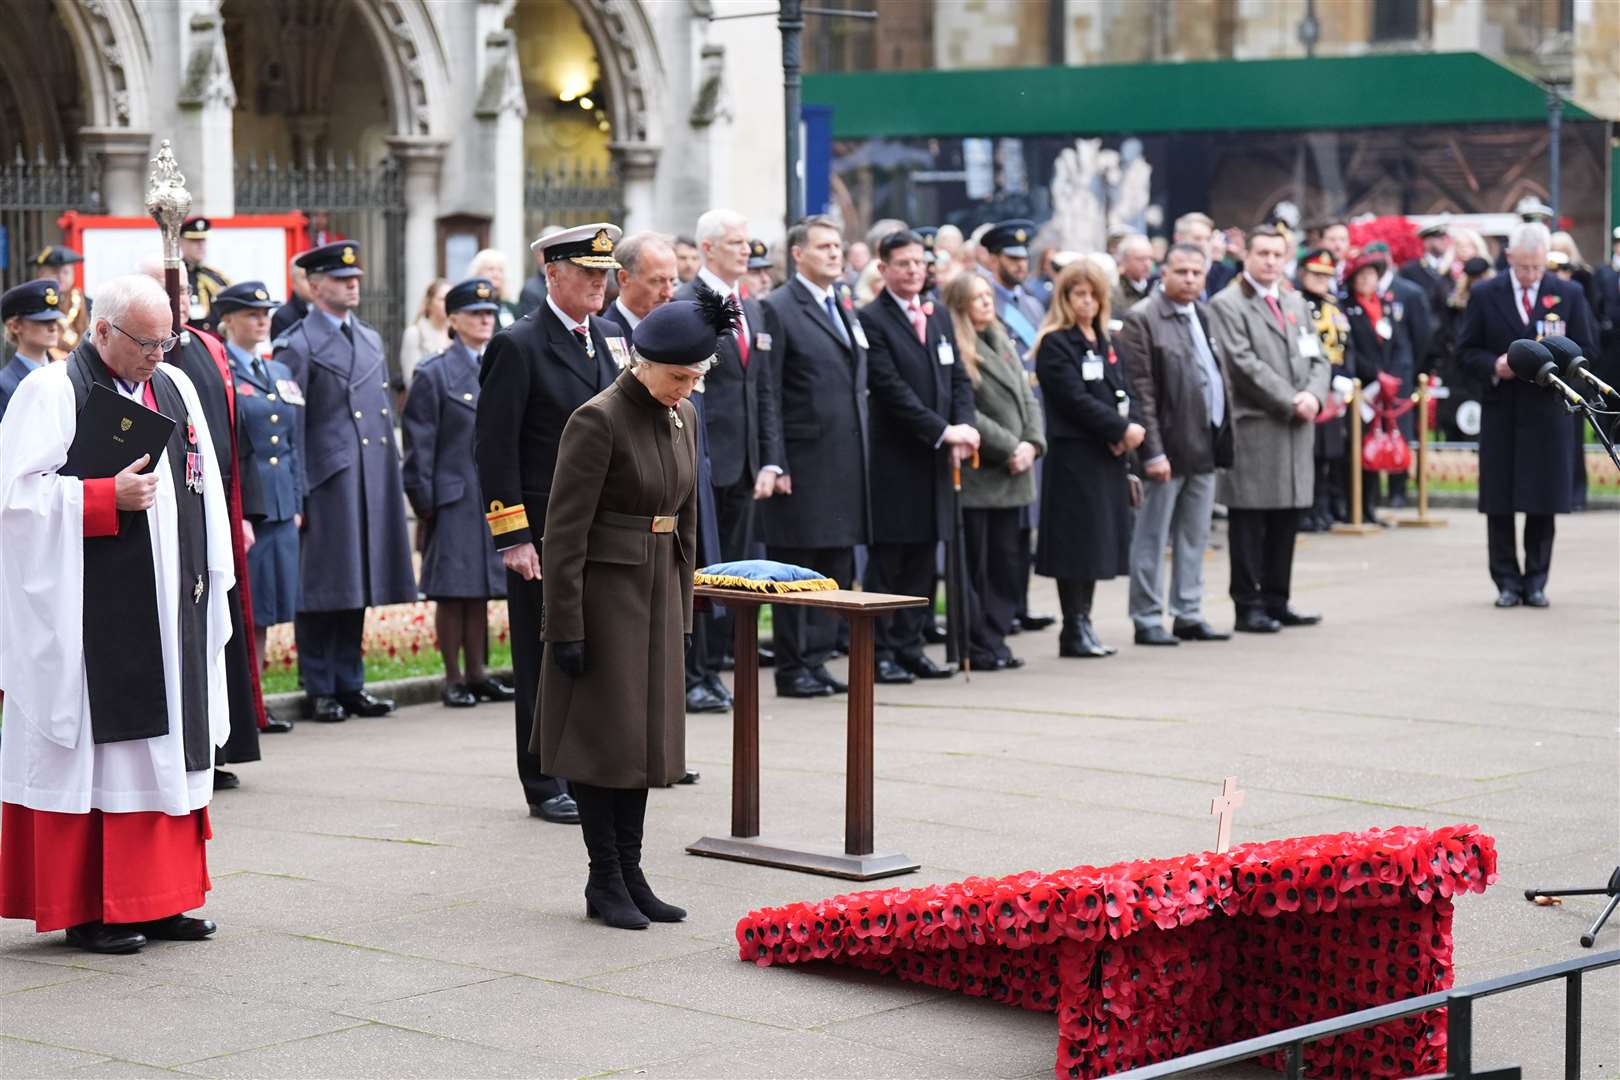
column 1199, row 631
column 767, row 656
column 492, row 689
column 177, row 928
column 892, row 674
column 1155, row 635
column 225, row 781
column 101, row 938
column 458, row 696
column 360, row 703
column 275, row 725
column 827, row 679
column 924, row 668
column 1031, row 621
column 995, row 663
column 802, row 685
column 559, row 810
column 713, row 683
column 701, row 699
column 328, row 711
column 1536, row 598
column 1289, row 617
column 690, row 777
column 1256, row 622
column 1508, row 598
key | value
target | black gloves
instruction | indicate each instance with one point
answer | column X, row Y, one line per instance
column 569, row 657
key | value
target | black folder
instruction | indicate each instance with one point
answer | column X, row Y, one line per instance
column 112, row 432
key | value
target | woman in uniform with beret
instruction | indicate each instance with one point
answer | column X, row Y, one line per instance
column 461, row 571
column 620, row 544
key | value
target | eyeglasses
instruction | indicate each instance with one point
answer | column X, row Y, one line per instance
column 149, row 347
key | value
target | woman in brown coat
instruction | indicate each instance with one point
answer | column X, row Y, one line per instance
column 620, row 540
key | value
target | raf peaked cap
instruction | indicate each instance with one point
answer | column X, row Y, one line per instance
column 1010, row 238
column 1319, row 261
column 473, row 295
column 759, row 255
column 686, row 332
column 339, row 260
column 57, row 255
column 195, row 228
column 244, row 295
column 590, row 246
column 39, row 301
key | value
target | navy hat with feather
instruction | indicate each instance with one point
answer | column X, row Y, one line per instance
column 686, row 332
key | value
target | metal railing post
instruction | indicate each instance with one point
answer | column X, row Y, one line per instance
column 1459, row 1035
column 1572, row 1026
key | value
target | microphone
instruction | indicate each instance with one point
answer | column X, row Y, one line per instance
column 1533, row 362
column 1568, row 353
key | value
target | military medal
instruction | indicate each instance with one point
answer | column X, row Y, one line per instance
column 194, row 460
column 197, row 590
column 676, row 417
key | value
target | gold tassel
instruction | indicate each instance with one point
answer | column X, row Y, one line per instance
column 727, row 581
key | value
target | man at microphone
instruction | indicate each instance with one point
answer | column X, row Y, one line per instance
column 1525, row 464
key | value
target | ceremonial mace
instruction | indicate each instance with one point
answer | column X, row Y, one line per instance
column 168, row 201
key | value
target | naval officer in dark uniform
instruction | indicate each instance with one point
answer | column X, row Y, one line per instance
column 534, row 375
column 461, row 571
column 356, row 551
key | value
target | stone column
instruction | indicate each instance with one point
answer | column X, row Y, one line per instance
column 420, row 157
column 638, row 166
column 499, row 112
column 203, row 128
column 124, row 156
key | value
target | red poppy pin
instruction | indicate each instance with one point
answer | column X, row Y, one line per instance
column 1113, row 357
column 928, row 308
column 1549, row 301
column 1291, row 320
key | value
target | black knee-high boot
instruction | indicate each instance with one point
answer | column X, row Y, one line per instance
column 629, row 815
column 605, row 895
column 1078, row 638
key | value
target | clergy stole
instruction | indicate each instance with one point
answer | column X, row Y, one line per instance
column 123, row 649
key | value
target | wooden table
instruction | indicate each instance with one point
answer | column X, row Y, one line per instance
column 858, row 861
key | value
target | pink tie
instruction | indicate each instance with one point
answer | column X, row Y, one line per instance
column 918, row 322
column 1525, row 294
column 1276, row 309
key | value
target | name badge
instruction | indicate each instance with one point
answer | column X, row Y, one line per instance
column 762, row 342
column 859, row 332
column 1310, row 346
column 1091, row 370
column 291, row 392
column 947, row 355
column 1384, row 329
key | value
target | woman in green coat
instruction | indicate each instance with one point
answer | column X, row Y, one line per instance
column 1012, row 436
column 620, row 540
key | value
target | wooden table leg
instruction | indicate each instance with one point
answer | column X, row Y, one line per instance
column 858, row 770
column 745, row 723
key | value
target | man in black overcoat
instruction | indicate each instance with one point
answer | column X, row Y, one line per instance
column 820, row 509
column 1525, row 465
column 535, row 373
column 922, row 417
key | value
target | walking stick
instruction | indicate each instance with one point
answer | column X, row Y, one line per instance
column 958, row 608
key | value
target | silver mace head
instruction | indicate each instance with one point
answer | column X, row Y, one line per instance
column 167, row 200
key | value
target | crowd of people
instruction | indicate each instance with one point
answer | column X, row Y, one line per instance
column 656, row 403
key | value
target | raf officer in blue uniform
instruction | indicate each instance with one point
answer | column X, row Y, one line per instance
column 269, row 417
column 33, row 316
column 461, row 570
column 355, row 549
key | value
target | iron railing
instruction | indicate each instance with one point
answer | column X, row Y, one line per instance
column 571, row 194
column 1458, row 1003
column 34, row 192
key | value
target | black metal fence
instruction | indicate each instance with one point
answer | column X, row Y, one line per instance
column 364, row 203
column 569, row 195
column 34, row 193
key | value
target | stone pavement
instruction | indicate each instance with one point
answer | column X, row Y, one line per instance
column 388, row 910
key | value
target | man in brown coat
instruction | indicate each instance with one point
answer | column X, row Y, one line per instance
column 1279, row 379
column 1181, row 401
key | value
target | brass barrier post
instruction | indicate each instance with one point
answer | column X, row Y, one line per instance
column 1423, row 520
column 1355, row 526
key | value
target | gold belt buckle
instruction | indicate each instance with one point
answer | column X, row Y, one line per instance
column 663, row 523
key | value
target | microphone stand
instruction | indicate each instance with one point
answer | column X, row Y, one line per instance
column 1585, row 410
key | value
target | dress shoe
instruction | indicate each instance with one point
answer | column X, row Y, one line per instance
column 890, row 673
column 459, row 696
column 924, row 668
column 361, row 703
column 1508, row 598
column 1256, row 622
column 492, row 689
column 1079, row 642
column 225, row 781
column 934, row 634
column 1536, row 598
column 607, row 899
column 701, row 699
column 1090, row 634
column 1031, row 621
column 101, row 938
column 275, row 725
column 690, row 777
column 1289, row 617
column 559, row 810
column 995, row 663
column 828, row 679
column 802, row 685
column 767, row 656
column 713, row 682
column 1155, row 635
column 326, row 710
column 1199, row 631
column 176, row 928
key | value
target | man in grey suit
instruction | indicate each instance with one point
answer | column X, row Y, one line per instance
column 1279, row 379
column 1181, row 401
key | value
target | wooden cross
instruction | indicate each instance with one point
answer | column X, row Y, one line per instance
column 1225, row 807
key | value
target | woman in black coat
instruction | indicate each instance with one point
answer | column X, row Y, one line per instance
column 1085, row 533
column 1381, row 329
